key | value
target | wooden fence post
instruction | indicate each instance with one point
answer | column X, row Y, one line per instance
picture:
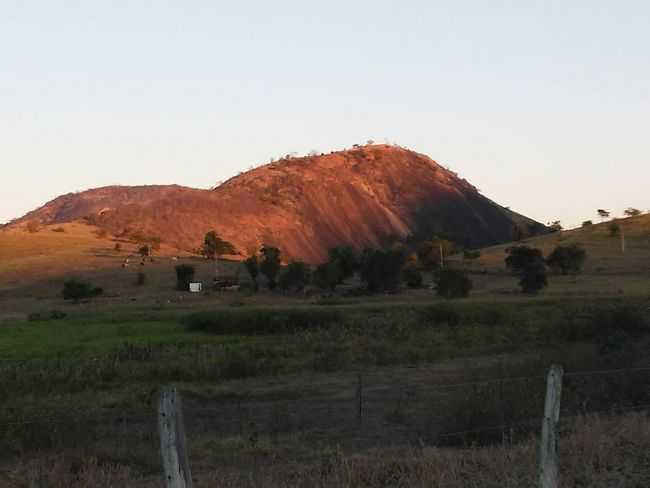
column 173, row 446
column 548, row 459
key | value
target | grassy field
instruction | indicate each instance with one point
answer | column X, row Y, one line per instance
column 274, row 381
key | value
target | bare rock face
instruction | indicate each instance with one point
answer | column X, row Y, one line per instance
column 362, row 197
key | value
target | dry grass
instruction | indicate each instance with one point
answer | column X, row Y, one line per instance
column 595, row 452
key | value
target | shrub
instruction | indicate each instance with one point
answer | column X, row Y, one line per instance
column 567, row 259
column 294, row 276
column 144, row 251
column 58, row 229
column 261, row 321
column 412, row 276
column 184, row 275
column 587, row 223
column 139, row 281
column 469, row 254
column 452, row 283
column 33, row 226
column 614, row 229
column 78, row 290
column 118, row 247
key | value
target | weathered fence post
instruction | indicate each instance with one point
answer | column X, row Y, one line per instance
column 173, row 447
column 548, row 461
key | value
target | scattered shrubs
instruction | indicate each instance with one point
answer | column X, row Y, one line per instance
column 294, row 276
column 412, row 276
column 567, row 259
column 78, row 290
column 270, row 265
column 452, row 283
column 184, row 275
column 261, row 321
column 140, row 280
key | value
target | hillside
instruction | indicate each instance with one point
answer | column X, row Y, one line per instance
column 604, row 252
column 361, row 197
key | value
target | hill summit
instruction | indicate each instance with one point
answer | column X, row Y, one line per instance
column 366, row 196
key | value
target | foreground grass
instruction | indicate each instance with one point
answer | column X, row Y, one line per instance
column 595, row 451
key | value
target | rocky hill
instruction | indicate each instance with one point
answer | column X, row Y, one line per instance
column 363, row 197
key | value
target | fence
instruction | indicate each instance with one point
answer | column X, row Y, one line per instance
column 451, row 412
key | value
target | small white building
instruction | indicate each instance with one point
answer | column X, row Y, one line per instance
column 196, row 286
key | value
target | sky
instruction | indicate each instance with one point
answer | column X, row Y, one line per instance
column 543, row 105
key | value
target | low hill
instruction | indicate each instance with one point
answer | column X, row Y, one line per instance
column 362, row 197
column 605, row 253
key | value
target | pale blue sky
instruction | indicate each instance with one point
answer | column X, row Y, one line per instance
column 544, row 106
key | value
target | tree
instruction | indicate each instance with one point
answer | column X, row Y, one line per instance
column 603, row 214
column 632, row 212
column 271, row 264
column 555, row 226
column 587, row 223
column 346, row 260
column 533, row 278
column 614, row 229
column 528, row 263
column 452, row 283
column 253, row 267
column 214, row 246
column 519, row 257
column 433, row 252
column 184, row 276
column 327, row 276
column 381, row 270
column 294, row 276
column 144, row 251
column 567, row 259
